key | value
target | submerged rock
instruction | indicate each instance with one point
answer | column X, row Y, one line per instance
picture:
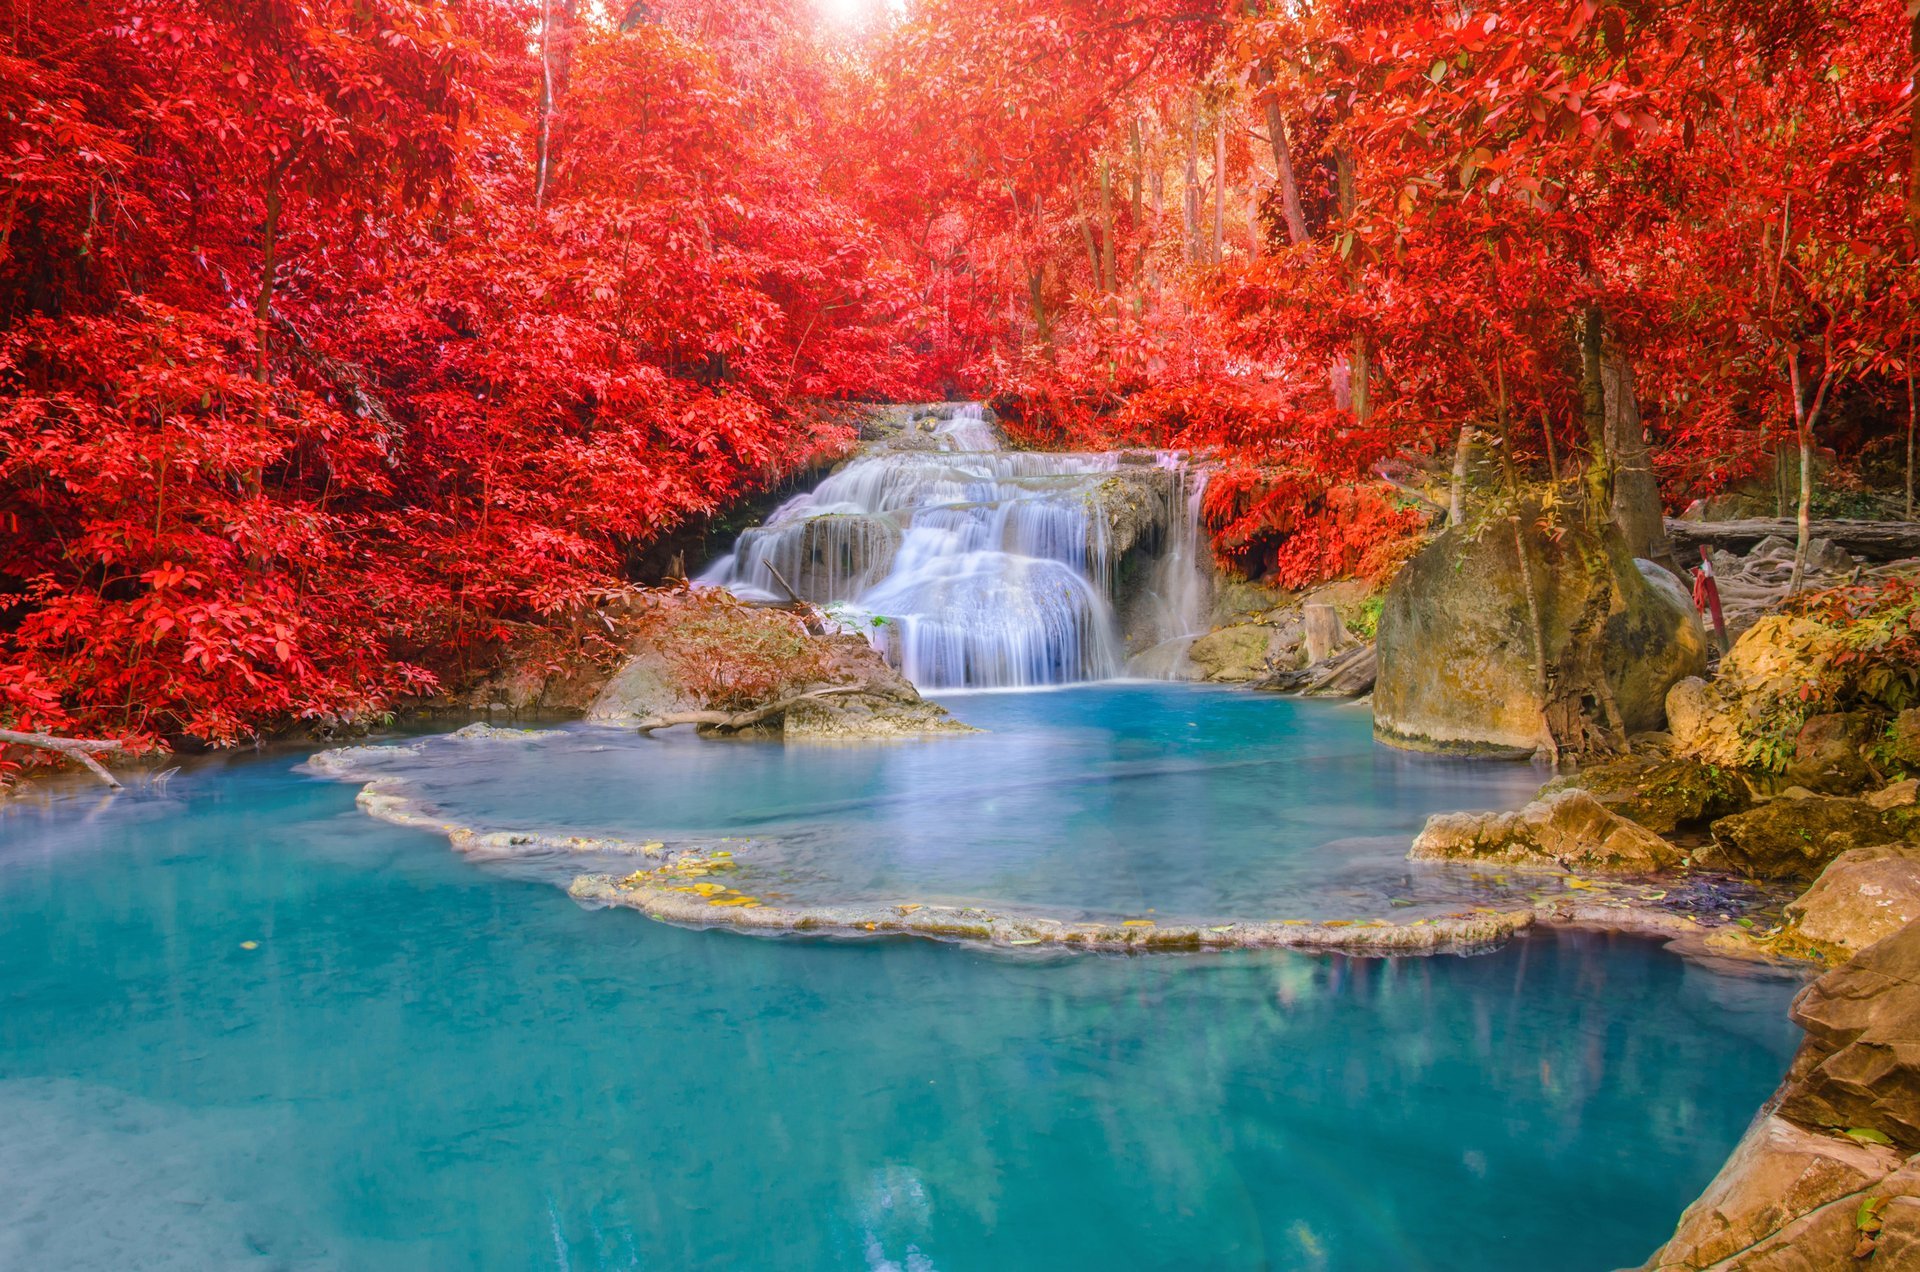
column 1568, row 829
column 1456, row 644
column 1793, row 838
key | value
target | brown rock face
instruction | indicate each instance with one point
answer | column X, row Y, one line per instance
column 1827, row 754
column 1865, row 896
column 1456, row 645
column 1755, row 1212
column 1793, row 838
column 1860, row 1065
column 1568, row 829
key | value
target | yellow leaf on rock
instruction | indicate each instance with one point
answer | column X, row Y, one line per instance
column 1136, row 923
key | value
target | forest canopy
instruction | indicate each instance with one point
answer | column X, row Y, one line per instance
column 344, row 344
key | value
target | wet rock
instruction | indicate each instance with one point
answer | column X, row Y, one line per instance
column 1664, row 796
column 1237, row 653
column 1773, row 1205
column 671, row 670
column 1568, row 829
column 1859, row 1068
column 1793, row 838
column 1456, row 645
column 1827, row 754
column 1865, row 896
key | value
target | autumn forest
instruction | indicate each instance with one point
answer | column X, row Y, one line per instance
column 345, row 344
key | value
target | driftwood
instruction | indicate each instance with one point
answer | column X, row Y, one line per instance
column 80, row 750
column 1346, row 674
column 736, row 720
column 1875, row 540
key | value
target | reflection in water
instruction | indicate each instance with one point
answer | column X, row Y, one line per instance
column 1113, row 799
column 424, row 1065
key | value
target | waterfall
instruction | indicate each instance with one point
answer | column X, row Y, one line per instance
column 970, row 565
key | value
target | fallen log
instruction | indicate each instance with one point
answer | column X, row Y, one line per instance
column 1347, row 673
column 80, row 750
column 737, row 720
column 1875, row 540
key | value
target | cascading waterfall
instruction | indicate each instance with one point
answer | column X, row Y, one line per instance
column 970, row 565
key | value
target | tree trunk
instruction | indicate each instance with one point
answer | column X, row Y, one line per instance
column 1806, row 417
column 269, row 265
column 1593, row 414
column 1093, row 252
column 1636, row 494
column 1035, row 298
column 1283, row 160
column 1192, row 193
column 1107, row 266
column 1913, row 417
column 1462, row 459
column 543, row 137
column 1220, row 186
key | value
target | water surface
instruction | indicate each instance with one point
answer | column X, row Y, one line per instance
column 1115, row 799
column 424, row 1065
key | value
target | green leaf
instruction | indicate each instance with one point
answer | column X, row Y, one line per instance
column 1867, row 1135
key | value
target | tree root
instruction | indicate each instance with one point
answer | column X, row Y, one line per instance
column 733, row 721
column 80, row 750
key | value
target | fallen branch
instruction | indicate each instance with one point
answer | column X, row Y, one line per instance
column 736, row 720
column 1875, row 540
column 81, row 750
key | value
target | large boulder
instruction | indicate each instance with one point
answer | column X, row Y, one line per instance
column 1772, row 1206
column 1827, row 1179
column 1567, row 829
column 1859, row 1068
column 1903, row 740
column 1827, row 754
column 705, row 651
column 1794, row 838
column 1456, row 640
column 1865, row 896
column 1234, row 653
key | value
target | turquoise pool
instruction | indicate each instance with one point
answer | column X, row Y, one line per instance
column 422, row 1064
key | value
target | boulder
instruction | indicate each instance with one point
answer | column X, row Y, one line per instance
column 1664, row 796
column 1793, row 838
column 1903, row 740
column 1234, row 653
column 1859, row 1067
column 1827, row 754
column 1866, row 895
column 1456, row 641
column 1896, row 795
column 703, row 651
column 1688, row 708
column 1772, row 1204
column 1568, row 829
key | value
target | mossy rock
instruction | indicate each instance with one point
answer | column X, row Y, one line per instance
column 1665, row 796
column 1794, row 838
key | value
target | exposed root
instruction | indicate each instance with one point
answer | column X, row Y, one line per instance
column 79, row 750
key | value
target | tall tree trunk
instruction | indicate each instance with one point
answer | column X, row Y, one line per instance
column 269, row 266
column 543, row 138
column 1462, row 461
column 1139, row 173
column 1359, row 365
column 1037, row 300
column 1192, row 193
column 1913, row 129
column 1291, row 212
column 1636, row 493
column 1220, row 186
column 1093, row 252
column 1913, row 418
column 1107, row 266
column 1806, row 418
column 1593, row 414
